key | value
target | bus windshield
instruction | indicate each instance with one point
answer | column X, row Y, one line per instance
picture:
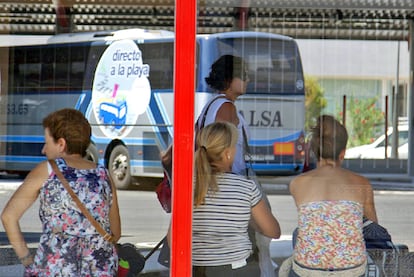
column 274, row 65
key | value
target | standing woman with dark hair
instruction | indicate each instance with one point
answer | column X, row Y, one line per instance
column 229, row 78
column 69, row 244
column 224, row 202
column 331, row 202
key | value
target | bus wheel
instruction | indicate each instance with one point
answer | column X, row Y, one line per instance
column 91, row 153
column 119, row 167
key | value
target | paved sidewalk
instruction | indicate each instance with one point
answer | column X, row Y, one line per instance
column 11, row 270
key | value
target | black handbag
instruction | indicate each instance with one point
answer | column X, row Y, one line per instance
column 376, row 236
column 380, row 248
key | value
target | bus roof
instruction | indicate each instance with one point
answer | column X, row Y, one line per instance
column 25, row 40
column 22, row 40
column 110, row 35
column 244, row 34
column 135, row 33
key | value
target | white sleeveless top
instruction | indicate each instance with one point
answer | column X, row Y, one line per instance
column 239, row 164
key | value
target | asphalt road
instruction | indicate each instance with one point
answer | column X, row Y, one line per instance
column 145, row 222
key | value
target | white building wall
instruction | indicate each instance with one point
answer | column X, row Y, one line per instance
column 354, row 59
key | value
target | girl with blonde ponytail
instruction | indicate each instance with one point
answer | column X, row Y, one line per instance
column 224, row 203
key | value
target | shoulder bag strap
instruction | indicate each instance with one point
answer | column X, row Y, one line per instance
column 75, row 198
column 203, row 120
column 246, row 141
column 247, row 149
column 197, row 127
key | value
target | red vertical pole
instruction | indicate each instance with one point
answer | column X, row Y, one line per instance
column 183, row 148
column 242, row 18
column 63, row 16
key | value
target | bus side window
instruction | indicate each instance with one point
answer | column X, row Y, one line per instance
column 76, row 66
column 28, row 70
column 160, row 58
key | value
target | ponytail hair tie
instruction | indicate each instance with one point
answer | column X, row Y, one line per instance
column 204, row 148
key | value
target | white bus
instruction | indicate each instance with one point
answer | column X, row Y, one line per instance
column 130, row 73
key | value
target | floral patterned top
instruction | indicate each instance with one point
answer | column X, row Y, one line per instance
column 330, row 235
column 69, row 244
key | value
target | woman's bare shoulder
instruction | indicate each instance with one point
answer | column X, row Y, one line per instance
column 227, row 112
column 37, row 176
column 356, row 178
column 299, row 181
column 227, row 106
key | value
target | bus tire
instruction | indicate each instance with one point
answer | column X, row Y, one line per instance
column 119, row 167
column 91, row 153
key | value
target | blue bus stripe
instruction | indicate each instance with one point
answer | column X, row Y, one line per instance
column 156, row 113
column 28, row 159
column 40, row 158
column 156, row 116
column 291, row 137
column 27, row 139
column 40, row 139
column 143, row 163
column 128, row 141
column 278, row 167
column 164, row 113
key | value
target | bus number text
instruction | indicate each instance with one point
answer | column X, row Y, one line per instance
column 17, row 109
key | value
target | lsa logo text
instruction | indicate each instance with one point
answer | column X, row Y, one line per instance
column 263, row 118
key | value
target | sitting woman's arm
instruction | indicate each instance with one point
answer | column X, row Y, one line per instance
column 264, row 220
column 369, row 205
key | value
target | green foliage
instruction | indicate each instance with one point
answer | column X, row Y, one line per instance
column 315, row 101
column 362, row 118
column 362, row 115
